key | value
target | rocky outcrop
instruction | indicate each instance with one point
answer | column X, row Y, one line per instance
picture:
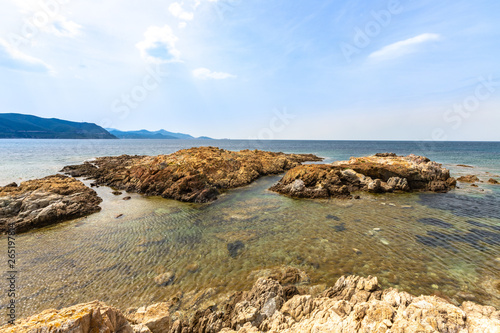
column 41, row 202
column 81, row 318
column 193, row 175
column 353, row 304
column 380, row 173
column 493, row 181
column 468, row 179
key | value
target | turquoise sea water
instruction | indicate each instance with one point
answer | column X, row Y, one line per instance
column 443, row 244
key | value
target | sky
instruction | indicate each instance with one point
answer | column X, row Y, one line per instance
column 274, row 69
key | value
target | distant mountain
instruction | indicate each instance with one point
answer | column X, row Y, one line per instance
column 15, row 125
column 161, row 134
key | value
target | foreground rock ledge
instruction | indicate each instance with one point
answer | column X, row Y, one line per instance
column 380, row 173
column 40, row 202
column 353, row 304
column 192, row 175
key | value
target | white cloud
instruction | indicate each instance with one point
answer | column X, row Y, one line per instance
column 62, row 27
column 177, row 10
column 158, row 45
column 12, row 58
column 47, row 17
column 403, row 47
column 206, row 74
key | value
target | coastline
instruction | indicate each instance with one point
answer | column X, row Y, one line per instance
column 243, row 191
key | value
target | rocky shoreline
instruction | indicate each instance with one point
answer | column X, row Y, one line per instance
column 41, row 202
column 201, row 174
column 192, row 175
column 279, row 302
column 380, row 173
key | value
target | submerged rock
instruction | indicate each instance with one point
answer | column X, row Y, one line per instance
column 165, row 279
column 493, row 181
column 193, row 175
column 41, row 202
column 235, row 248
column 380, row 173
column 468, row 179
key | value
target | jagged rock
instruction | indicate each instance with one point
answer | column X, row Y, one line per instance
column 380, row 173
column 353, row 304
column 141, row 329
column 357, row 304
column 41, row 202
column 82, row 318
column 156, row 317
column 468, row 179
column 193, row 175
column 399, row 184
column 493, row 181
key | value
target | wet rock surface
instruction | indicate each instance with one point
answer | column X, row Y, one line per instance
column 191, row 175
column 380, row 173
column 41, row 202
column 353, row 304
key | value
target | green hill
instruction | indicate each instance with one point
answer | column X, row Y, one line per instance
column 15, row 125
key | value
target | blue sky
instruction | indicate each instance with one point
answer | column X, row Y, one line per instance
column 402, row 70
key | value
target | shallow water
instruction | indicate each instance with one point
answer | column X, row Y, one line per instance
column 443, row 244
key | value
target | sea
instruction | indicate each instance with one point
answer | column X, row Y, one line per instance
column 422, row 243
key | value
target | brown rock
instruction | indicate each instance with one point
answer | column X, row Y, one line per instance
column 353, row 304
column 81, row 318
column 468, row 179
column 156, row 317
column 289, row 276
column 193, row 175
column 376, row 174
column 41, row 202
column 493, row 181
